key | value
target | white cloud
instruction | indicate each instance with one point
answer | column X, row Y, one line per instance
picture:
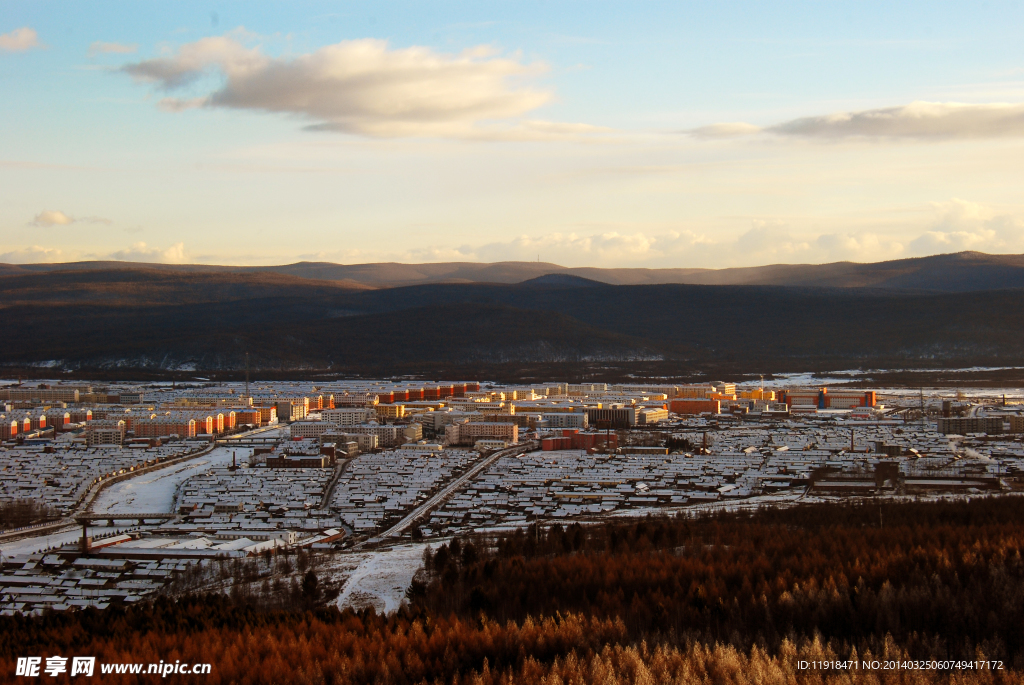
column 19, row 40
column 52, row 217
column 101, row 48
column 364, row 87
column 942, row 242
column 609, row 247
column 917, row 121
column 953, row 226
column 140, row 252
column 31, row 255
column 961, row 225
column 865, row 246
column 935, row 120
column 772, row 239
column 939, row 228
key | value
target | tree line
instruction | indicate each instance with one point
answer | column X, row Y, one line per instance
column 718, row 598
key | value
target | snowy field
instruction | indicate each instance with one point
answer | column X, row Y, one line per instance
column 380, row 578
column 156, row 491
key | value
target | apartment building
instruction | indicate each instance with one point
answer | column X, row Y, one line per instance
column 310, row 429
column 389, row 435
column 105, row 433
column 652, row 415
column 978, row 424
column 162, row 426
column 576, row 420
column 41, row 394
column 389, row 412
column 8, row 427
column 348, row 416
column 469, row 432
column 290, row 410
column 823, row 399
column 698, row 391
column 364, row 442
column 613, row 416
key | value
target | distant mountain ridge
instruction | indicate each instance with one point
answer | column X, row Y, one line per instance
column 166, row 319
column 958, row 272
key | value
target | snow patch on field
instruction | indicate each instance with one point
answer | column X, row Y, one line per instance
column 381, row 578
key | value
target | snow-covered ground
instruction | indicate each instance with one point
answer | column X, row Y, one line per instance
column 381, row 578
column 811, row 380
column 42, row 542
column 155, row 491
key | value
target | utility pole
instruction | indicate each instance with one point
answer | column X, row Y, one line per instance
column 247, row 395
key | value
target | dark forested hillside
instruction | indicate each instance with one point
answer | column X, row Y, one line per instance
column 940, row 579
column 959, row 272
column 153, row 320
column 933, row 592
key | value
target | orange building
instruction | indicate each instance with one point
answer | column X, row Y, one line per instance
column 722, row 396
column 248, row 417
column 695, row 406
column 58, row 419
column 206, row 422
column 267, row 414
column 161, row 426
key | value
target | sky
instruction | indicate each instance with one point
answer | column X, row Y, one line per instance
column 642, row 134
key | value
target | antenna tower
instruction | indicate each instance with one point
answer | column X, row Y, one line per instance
column 247, row 395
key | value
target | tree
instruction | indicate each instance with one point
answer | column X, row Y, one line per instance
column 310, row 587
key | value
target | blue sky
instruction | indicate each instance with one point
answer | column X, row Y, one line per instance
column 597, row 133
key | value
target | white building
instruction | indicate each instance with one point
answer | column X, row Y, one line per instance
column 310, row 429
column 576, row 420
column 347, row 416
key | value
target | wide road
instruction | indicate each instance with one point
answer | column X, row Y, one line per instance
column 452, row 487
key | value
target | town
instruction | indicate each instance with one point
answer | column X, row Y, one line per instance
column 111, row 493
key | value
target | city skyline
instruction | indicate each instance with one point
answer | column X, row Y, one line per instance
column 683, row 136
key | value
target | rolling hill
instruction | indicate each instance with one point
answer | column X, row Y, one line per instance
column 160, row 320
column 960, row 272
